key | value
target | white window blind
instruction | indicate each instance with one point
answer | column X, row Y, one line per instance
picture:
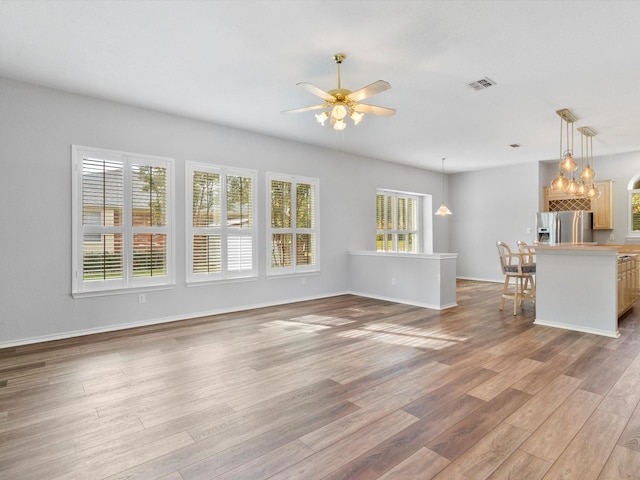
column 122, row 223
column 292, row 224
column 221, row 234
column 397, row 222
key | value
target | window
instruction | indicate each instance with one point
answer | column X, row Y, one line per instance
column 122, row 220
column 221, row 227
column 634, row 207
column 292, row 224
column 397, row 224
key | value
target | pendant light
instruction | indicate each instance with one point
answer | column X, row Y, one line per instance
column 582, row 186
column 588, row 174
column 567, row 162
column 443, row 210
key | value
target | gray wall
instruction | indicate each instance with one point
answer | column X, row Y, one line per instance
column 491, row 205
column 38, row 127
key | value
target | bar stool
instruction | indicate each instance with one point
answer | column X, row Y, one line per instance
column 519, row 281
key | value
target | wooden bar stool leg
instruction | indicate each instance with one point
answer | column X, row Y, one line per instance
column 505, row 290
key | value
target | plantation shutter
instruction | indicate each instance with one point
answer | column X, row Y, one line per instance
column 149, row 219
column 102, row 223
column 222, row 229
column 239, row 223
column 122, row 220
column 293, row 224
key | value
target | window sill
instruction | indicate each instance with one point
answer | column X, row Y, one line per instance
column 121, row 291
column 309, row 273
column 221, row 281
column 436, row 256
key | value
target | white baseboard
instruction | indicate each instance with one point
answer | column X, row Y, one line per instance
column 405, row 302
column 155, row 321
column 575, row 328
column 475, row 279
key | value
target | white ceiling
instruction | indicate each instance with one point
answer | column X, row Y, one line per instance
column 237, row 63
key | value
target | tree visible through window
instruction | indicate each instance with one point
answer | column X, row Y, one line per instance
column 293, row 226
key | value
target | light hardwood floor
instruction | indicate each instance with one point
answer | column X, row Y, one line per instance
column 344, row 387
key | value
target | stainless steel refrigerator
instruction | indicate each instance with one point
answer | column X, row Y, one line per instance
column 564, row 227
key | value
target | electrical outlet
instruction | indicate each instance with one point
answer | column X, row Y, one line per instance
column 304, row 280
column 393, row 282
column 142, row 298
column 611, row 237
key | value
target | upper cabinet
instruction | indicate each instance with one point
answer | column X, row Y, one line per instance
column 601, row 207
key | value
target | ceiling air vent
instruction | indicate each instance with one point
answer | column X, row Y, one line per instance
column 481, row 84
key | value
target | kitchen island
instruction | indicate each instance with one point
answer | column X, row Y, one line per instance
column 577, row 287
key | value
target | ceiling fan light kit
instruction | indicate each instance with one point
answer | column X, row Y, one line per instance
column 340, row 102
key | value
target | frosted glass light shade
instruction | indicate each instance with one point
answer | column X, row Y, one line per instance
column 356, row 117
column 322, row 117
column 443, row 211
column 339, row 125
column 338, row 112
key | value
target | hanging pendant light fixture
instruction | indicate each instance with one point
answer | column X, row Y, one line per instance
column 588, row 174
column 582, row 186
column 567, row 162
column 443, row 210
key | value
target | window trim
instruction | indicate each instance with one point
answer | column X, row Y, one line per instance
column 424, row 241
column 294, row 269
column 632, row 234
column 129, row 283
column 224, row 275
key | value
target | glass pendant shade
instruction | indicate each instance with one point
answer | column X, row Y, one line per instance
column 582, row 190
column 568, row 164
column 443, row 210
column 560, row 183
column 587, row 173
column 572, row 187
column 593, row 192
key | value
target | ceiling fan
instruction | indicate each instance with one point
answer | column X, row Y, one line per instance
column 340, row 102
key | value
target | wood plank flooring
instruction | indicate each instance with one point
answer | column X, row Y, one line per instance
column 338, row 388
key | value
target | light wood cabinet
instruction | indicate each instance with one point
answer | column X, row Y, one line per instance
column 602, row 207
column 628, row 282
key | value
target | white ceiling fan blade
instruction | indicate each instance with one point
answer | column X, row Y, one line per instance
column 305, row 109
column 316, row 91
column 370, row 90
column 372, row 109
